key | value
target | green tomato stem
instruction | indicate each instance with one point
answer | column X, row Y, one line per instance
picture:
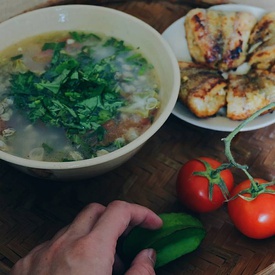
column 213, row 175
column 214, row 178
column 227, row 142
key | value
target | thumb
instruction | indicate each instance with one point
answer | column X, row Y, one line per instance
column 143, row 263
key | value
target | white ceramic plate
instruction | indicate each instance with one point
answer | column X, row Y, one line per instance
column 175, row 36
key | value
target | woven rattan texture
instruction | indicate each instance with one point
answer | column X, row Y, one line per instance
column 32, row 210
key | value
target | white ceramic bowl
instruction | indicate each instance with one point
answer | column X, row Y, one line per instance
column 112, row 23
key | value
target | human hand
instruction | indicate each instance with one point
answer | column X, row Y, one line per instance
column 88, row 244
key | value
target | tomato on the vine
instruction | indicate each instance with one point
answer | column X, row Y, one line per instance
column 255, row 218
column 201, row 187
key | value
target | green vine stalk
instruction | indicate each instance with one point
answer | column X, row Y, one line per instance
column 255, row 188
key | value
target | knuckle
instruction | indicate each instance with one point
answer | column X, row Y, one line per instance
column 142, row 270
column 118, row 204
column 93, row 206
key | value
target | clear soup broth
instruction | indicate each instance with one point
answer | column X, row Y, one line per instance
column 69, row 96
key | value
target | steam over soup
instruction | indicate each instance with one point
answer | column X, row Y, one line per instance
column 72, row 96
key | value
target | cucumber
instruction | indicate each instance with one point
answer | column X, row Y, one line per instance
column 180, row 234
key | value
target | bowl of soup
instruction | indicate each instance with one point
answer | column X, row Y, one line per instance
column 82, row 88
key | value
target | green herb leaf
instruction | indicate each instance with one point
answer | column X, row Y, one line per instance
column 76, row 92
column 81, row 36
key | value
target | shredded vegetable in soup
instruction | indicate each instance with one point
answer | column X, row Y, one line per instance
column 70, row 96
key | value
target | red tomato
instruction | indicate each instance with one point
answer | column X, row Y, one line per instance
column 255, row 218
column 193, row 190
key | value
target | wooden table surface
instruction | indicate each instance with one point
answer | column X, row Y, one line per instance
column 32, row 210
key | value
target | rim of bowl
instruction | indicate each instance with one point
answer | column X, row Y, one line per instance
column 133, row 144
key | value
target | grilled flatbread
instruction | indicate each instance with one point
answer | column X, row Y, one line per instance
column 262, row 43
column 248, row 93
column 202, row 89
column 218, row 39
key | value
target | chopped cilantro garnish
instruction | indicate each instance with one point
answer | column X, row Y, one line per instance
column 48, row 149
column 54, row 46
column 118, row 44
column 81, row 36
column 77, row 91
column 16, row 57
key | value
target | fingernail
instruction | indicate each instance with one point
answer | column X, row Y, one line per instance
column 151, row 254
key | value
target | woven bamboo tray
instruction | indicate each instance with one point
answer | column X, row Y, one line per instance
column 32, row 210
